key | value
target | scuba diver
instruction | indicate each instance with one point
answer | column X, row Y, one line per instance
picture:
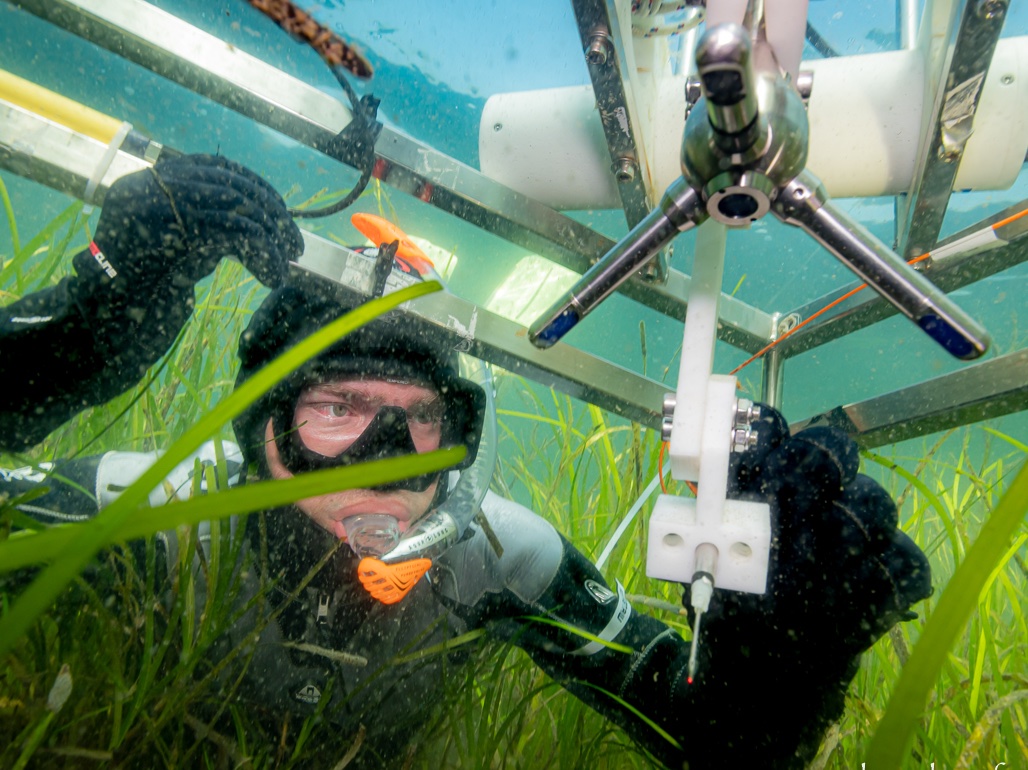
column 842, row 573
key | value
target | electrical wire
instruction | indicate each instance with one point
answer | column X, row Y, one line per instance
column 363, row 130
column 630, row 516
column 819, row 313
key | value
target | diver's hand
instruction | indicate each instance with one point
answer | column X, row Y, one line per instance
column 170, row 225
column 841, row 572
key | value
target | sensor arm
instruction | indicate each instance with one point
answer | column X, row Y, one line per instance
column 680, row 209
column 804, row 203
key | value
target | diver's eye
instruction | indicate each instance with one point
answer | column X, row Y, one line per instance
column 338, row 409
column 426, row 414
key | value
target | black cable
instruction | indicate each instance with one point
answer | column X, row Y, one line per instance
column 821, row 45
column 354, row 145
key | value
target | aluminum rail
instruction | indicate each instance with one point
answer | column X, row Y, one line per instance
column 221, row 72
column 976, row 392
column 970, row 45
column 604, row 46
column 65, row 160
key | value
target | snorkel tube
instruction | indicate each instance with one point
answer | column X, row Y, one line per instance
column 389, row 576
column 435, row 532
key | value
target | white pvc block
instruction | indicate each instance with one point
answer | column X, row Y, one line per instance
column 549, row 145
column 715, row 448
column 742, row 538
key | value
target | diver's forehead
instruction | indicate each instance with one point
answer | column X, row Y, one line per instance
column 378, row 387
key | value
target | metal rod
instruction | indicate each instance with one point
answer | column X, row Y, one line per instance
column 803, row 203
column 906, row 17
column 680, row 209
column 771, row 379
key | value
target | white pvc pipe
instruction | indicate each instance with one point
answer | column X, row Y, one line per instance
column 865, row 118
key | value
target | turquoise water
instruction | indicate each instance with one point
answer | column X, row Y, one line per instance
column 434, row 87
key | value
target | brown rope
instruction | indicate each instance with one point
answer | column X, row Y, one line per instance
column 333, row 49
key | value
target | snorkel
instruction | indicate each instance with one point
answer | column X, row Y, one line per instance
column 390, row 574
column 389, row 577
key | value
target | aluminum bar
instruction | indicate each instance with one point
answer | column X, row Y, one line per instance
column 972, row 41
column 212, row 68
column 607, row 56
column 977, row 392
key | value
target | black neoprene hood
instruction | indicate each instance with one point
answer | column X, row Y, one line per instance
column 394, row 345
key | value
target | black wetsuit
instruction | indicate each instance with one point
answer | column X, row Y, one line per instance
column 725, row 715
column 78, row 344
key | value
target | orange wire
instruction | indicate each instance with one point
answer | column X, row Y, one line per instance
column 1008, row 220
column 660, row 471
column 823, row 310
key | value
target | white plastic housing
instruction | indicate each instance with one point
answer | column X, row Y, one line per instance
column 742, row 538
column 865, row 129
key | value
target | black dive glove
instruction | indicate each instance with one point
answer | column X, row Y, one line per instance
column 92, row 336
column 841, row 575
column 170, row 225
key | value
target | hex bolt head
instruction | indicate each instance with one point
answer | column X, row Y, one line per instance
column 599, row 49
column 991, row 10
column 624, row 170
column 742, row 439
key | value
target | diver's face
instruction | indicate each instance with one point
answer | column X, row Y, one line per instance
column 331, row 415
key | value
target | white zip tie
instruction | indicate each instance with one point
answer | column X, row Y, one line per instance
column 103, row 166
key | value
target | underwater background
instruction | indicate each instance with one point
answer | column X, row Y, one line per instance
column 436, row 64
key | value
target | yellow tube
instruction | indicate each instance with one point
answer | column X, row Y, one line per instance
column 60, row 109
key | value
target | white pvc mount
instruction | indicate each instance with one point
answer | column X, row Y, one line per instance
column 699, row 448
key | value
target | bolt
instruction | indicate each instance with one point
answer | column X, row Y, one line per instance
column 788, row 323
column 624, row 170
column 599, row 48
column 668, row 412
column 497, row 126
column 743, row 439
column 991, row 10
column 693, row 91
column 1006, row 80
column 746, row 413
column 670, row 400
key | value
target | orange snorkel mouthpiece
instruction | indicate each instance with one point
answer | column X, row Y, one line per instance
column 382, row 232
column 390, row 582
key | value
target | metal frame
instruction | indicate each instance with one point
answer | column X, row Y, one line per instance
column 64, row 160
column 170, row 47
column 180, row 52
column 970, row 46
column 604, row 47
column 981, row 391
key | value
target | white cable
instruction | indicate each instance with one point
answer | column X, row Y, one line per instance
column 625, row 522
